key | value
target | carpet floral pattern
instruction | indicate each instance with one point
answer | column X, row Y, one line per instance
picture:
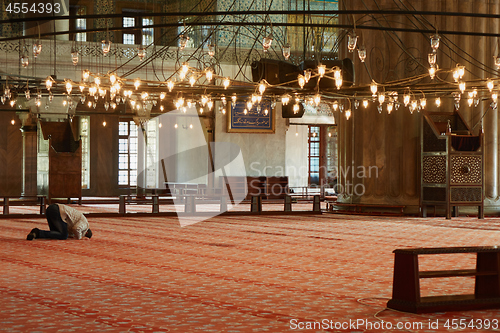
column 230, row 274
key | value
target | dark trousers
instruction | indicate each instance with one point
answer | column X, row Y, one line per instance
column 58, row 228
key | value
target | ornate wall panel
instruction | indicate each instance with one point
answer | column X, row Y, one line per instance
column 466, row 170
column 434, row 169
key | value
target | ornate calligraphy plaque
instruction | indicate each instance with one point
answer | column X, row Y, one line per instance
column 258, row 119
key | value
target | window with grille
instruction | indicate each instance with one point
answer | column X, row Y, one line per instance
column 85, row 135
column 127, row 153
column 314, row 154
column 143, row 34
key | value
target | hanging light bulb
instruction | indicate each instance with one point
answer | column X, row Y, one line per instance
column 490, row 85
column 27, row 94
column 192, row 80
column 432, row 72
column 266, row 42
column 381, row 98
column 226, row 83
column 209, row 74
column 431, row 57
column 286, row 51
column 74, row 57
column 285, row 99
column 162, row 95
column 233, row 99
column 210, row 104
column 321, row 70
column 211, row 50
column 37, row 48
column 317, row 99
column 170, row 85
column 352, row 39
column 406, row 99
column 141, row 53
column 462, row 86
column 204, row 100
column 25, row 60
column 296, row 108
column 335, row 106
column 348, row 114
column 362, row 53
column 112, row 78
column 106, row 46
column 435, row 42
column 390, row 106
column 423, row 102
column 494, row 97
column 496, row 60
column 262, row 87
column 438, row 102
column 249, row 105
column 69, row 87
column 365, row 103
column 183, row 40
column 85, row 75
column 48, row 83
column 301, row 80
column 137, row 83
column 307, row 74
column 373, row 89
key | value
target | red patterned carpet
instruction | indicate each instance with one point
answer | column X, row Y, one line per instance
column 228, row 274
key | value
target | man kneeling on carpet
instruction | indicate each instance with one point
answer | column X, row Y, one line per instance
column 64, row 222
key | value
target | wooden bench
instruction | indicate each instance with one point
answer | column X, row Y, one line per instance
column 35, row 200
column 359, row 208
column 406, row 282
column 152, row 200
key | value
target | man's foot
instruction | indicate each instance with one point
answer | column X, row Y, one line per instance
column 88, row 233
column 33, row 234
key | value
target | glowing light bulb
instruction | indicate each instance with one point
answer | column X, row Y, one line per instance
column 321, row 70
column 48, row 83
column 438, row 102
column 170, row 85
column 462, row 86
column 317, row 99
column 162, row 95
column 209, row 74
column 137, row 83
column 432, row 73
column 301, row 80
column 226, row 83
column 490, row 85
column 285, row 99
column 381, row 98
column 69, row 87
column 406, row 99
column 423, row 102
column 262, row 87
column 192, row 80
column 348, row 114
column 373, row 88
column 365, row 103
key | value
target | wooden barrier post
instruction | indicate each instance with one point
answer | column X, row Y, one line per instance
column 156, row 204
column 256, row 205
column 122, row 204
column 288, row 203
column 6, row 205
column 316, row 204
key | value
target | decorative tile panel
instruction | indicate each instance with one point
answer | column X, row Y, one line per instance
column 466, row 170
column 434, row 169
